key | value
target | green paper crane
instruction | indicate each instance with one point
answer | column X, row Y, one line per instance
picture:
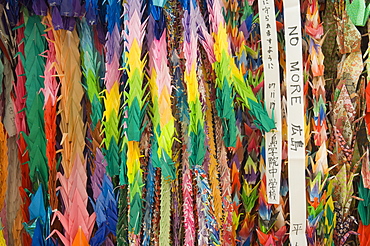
column 34, row 65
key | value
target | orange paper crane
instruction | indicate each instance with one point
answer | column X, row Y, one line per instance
column 80, row 239
column 73, row 181
column 71, row 125
column 3, row 167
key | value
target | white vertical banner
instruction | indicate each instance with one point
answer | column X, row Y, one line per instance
column 270, row 58
column 295, row 122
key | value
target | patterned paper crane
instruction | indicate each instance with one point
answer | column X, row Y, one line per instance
column 208, row 228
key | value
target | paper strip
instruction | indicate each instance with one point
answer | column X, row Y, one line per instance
column 270, row 59
column 295, row 122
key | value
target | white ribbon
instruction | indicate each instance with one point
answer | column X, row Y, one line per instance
column 295, row 122
column 270, row 57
